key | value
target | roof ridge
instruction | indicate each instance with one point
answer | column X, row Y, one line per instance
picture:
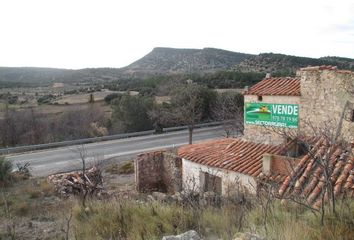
column 283, row 86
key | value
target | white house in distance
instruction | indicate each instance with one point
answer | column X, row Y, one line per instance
column 316, row 96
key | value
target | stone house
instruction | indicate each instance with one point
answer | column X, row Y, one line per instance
column 318, row 98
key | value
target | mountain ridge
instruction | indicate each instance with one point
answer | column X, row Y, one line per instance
column 172, row 61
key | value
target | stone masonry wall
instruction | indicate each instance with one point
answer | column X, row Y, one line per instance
column 148, row 167
column 261, row 134
column 323, row 96
column 172, row 172
column 158, row 171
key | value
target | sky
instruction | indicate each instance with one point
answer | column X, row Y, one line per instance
column 114, row 33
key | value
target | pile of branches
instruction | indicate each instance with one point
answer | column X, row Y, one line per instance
column 87, row 182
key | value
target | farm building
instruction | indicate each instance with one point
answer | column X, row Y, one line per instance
column 288, row 124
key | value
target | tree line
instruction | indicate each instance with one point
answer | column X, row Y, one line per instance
column 189, row 105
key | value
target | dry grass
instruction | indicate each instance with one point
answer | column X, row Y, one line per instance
column 121, row 219
column 117, row 218
column 126, row 167
column 299, row 223
column 162, row 99
column 31, row 197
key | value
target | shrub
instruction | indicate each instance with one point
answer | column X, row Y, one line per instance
column 130, row 113
column 21, row 209
column 5, row 170
column 108, row 99
column 46, row 188
column 123, row 168
column 45, row 99
column 33, row 193
column 127, row 167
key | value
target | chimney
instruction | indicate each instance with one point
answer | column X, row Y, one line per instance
column 268, row 75
column 246, row 88
column 267, row 163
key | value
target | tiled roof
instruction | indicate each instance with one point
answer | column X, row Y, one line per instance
column 231, row 154
column 283, row 86
column 308, row 179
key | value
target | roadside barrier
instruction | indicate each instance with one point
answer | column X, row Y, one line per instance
column 19, row 149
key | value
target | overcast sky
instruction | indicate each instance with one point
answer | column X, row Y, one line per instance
column 103, row 33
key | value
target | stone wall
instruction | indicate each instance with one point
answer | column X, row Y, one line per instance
column 172, row 172
column 323, row 96
column 158, row 171
column 267, row 135
column 324, row 93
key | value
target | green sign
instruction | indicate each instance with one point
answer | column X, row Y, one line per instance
column 268, row 114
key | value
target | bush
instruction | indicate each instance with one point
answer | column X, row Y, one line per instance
column 45, row 99
column 130, row 113
column 33, row 192
column 124, row 168
column 5, row 170
column 108, row 99
column 21, row 209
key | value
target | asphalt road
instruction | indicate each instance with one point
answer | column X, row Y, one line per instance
column 46, row 162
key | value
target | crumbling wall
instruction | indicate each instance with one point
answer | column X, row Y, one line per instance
column 158, row 171
column 324, row 92
column 172, row 172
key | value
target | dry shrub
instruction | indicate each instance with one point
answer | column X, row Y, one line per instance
column 33, row 193
column 126, row 167
column 129, row 219
column 5, row 171
column 46, row 188
column 21, row 209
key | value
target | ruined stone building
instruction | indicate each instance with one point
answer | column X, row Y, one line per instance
column 286, row 120
column 277, row 111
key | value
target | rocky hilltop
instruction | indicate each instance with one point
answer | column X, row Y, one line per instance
column 172, row 60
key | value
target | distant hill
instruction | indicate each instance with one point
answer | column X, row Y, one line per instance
column 171, row 61
column 181, row 61
column 281, row 64
column 42, row 76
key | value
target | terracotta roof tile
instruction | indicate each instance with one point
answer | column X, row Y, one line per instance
column 308, row 178
column 284, row 86
column 231, row 154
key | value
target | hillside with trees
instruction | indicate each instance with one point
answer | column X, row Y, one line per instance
column 286, row 65
column 215, row 67
column 20, row 76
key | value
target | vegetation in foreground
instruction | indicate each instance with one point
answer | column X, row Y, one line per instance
column 125, row 219
column 30, row 209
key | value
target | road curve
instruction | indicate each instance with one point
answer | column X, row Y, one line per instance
column 45, row 162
